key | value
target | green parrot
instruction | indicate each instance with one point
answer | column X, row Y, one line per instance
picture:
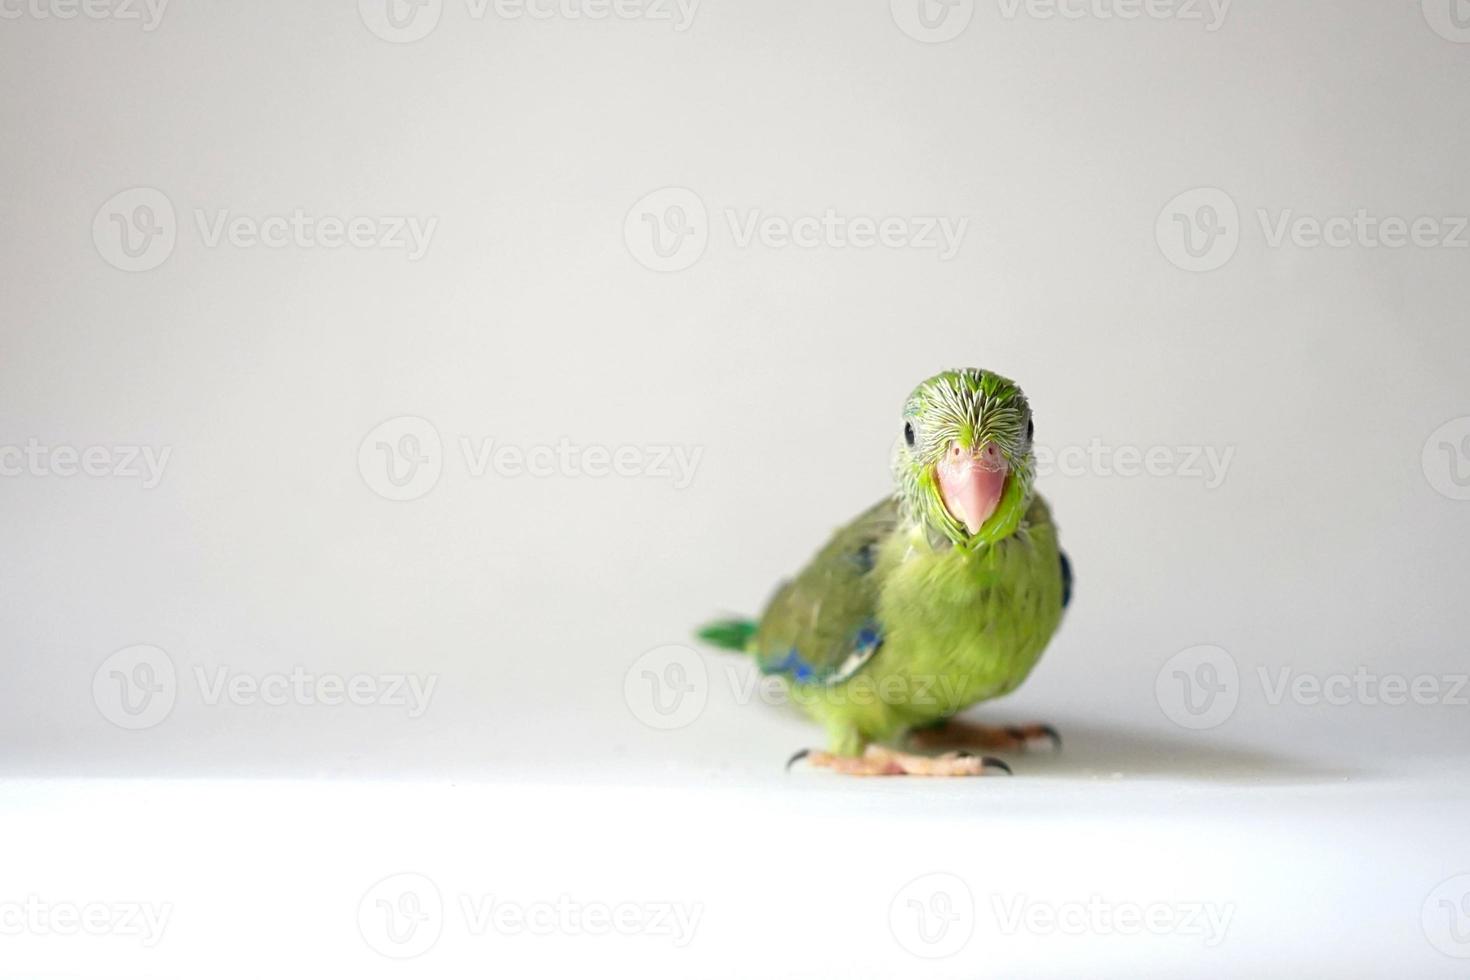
column 937, row 598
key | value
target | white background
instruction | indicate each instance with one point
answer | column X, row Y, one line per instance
column 537, row 149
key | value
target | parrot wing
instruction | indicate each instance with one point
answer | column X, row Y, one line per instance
column 821, row 627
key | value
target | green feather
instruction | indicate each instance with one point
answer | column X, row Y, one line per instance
column 728, row 634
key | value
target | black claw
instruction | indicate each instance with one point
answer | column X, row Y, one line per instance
column 986, row 762
column 1051, row 733
column 797, row 758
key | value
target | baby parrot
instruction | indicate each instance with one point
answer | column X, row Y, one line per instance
column 935, row 599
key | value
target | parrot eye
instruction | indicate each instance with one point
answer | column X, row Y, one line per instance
column 908, row 433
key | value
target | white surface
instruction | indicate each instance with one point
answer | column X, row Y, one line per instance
column 1332, row 546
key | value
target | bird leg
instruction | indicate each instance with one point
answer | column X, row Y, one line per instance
column 878, row 760
column 955, row 733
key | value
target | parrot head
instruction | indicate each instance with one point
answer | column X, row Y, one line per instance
column 964, row 466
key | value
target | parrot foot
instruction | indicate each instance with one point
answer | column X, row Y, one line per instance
column 952, row 732
column 879, row 761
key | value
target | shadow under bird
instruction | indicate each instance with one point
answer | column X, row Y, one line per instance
column 938, row 598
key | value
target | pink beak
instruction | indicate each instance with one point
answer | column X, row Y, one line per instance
column 971, row 484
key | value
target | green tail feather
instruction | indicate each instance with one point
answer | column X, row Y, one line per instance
column 729, row 634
